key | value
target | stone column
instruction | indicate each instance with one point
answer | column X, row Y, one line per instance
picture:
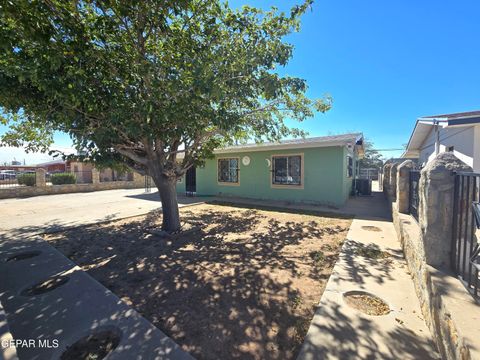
column 95, row 176
column 393, row 182
column 435, row 214
column 386, row 178
column 403, row 185
column 40, row 177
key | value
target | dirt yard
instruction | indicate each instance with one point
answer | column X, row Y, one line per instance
column 245, row 286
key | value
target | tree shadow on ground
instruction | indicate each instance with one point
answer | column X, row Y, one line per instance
column 226, row 291
column 335, row 336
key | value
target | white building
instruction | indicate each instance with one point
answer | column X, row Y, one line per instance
column 458, row 133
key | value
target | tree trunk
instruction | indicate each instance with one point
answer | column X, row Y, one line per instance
column 168, row 196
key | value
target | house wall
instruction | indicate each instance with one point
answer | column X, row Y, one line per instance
column 325, row 177
column 181, row 185
column 476, row 149
column 461, row 138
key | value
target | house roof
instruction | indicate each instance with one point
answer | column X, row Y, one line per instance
column 313, row 142
column 460, row 115
column 53, row 162
column 425, row 124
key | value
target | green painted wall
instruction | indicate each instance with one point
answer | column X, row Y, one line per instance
column 325, row 177
column 181, row 186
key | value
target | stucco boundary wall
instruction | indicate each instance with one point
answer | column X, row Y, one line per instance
column 450, row 312
column 41, row 188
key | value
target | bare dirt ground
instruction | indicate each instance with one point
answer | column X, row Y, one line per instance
column 245, row 286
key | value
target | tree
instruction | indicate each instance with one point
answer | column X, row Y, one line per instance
column 140, row 82
column 372, row 159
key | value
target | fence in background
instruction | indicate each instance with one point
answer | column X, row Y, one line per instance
column 81, row 177
column 370, row 174
column 11, row 179
column 110, row 175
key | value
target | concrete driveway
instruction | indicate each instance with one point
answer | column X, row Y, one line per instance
column 39, row 214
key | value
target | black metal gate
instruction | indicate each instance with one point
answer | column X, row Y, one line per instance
column 414, row 198
column 191, row 181
column 148, row 184
column 465, row 248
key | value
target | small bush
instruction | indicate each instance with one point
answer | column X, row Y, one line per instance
column 26, row 179
column 63, row 178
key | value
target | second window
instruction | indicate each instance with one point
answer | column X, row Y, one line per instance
column 287, row 170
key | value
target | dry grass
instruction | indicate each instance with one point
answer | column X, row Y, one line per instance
column 245, row 286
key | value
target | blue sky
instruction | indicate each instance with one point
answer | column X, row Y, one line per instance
column 385, row 63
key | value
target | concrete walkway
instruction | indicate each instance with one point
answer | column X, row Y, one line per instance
column 339, row 331
column 40, row 214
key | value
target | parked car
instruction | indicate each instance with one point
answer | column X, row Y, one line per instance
column 7, row 174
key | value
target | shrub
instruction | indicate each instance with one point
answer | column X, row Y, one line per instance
column 63, row 178
column 26, row 179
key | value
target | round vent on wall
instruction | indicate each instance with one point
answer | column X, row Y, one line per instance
column 246, row 160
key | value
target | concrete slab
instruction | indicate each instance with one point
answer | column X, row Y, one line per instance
column 41, row 214
column 339, row 331
column 71, row 311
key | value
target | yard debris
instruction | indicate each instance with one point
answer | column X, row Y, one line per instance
column 371, row 251
column 185, row 230
column 366, row 303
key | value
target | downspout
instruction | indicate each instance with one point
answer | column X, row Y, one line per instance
column 354, row 169
column 437, row 137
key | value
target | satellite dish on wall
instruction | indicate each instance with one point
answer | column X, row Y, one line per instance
column 246, row 160
column 269, row 163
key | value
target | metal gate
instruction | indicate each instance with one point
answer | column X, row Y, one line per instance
column 414, row 198
column 148, row 184
column 465, row 248
column 191, row 182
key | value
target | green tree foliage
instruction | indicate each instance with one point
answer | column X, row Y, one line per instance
column 156, row 85
column 63, row 178
column 26, row 179
column 372, row 159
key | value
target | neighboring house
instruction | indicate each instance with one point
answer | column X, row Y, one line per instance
column 54, row 166
column 83, row 171
column 458, row 133
column 318, row 170
column 17, row 168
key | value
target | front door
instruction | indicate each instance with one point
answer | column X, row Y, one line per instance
column 191, row 181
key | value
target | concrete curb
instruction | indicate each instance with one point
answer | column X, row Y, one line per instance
column 7, row 352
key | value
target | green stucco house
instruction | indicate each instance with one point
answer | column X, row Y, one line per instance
column 317, row 170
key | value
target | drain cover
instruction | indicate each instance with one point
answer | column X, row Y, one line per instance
column 24, row 255
column 371, row 228
column 367, row 303
column 45, row 286
column 93, row 346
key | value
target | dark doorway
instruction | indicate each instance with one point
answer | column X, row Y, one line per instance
column 191, row 182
